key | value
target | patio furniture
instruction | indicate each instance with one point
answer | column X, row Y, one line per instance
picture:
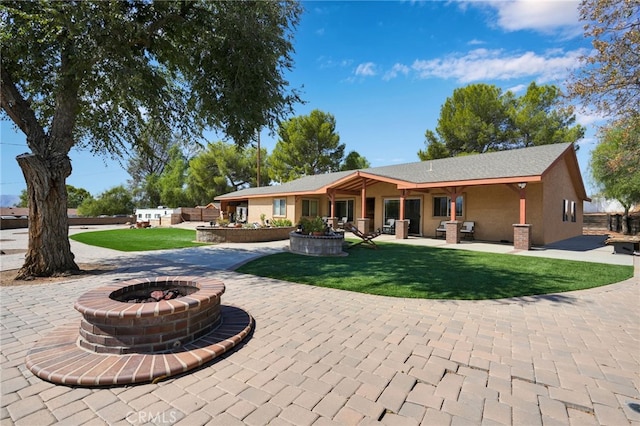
column 442, row 229
column 342, row 222
column 367, row 238
column 390, row 227
column 624, row 245
column 467, row 229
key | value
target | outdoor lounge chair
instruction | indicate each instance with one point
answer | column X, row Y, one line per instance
column 367, row 238
column 442, row 228
column 467, row 229
column 390, row 227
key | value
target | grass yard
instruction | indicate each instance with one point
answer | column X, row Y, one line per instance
column 400, row 270
column 140, row 239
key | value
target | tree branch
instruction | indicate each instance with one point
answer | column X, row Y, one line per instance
column 18, row 109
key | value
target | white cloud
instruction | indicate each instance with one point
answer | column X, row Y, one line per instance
column 367, row 69
column 484, row 64
column 475, row 42
column 543, row 16
column 517, row 89
column 320, row 31
column 395, row 70
column 589, row 118
column 327, row 62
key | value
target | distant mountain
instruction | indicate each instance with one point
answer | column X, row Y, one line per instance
column 9, row 200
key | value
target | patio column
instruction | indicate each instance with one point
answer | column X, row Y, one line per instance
column 332, row 220
column 363, row 202
column 453, row 227
column 522, row 230
column 402, row 225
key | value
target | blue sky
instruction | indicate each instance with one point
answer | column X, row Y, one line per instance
column 384, row 69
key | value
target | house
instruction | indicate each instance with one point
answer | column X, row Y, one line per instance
column 527, row 196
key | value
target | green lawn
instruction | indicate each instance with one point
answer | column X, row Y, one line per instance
column 433, row 273
column 140, row 239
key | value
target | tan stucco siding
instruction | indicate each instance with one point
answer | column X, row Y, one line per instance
column 259, row 206
column 559, row 187
column 494, row 209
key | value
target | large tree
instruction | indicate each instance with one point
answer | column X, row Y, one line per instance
column 615, row 163
column 223, row 167
column 480, row 118
column 94, row 73
column 147, row 162
column 536, row 118
column 172, row 182
column 114, row 201
column 610, row 77
column 307, row 145
column 354, row 161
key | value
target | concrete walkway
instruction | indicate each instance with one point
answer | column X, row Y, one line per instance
column 323, row 356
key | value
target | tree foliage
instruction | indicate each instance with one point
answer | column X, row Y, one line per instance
column 307, row 145
column 95, row 73
column 114, row 201
column 536, row 119
column 610, row 77
column 172, row 183
column 615, row 162
column 480, row 118
column 354, row 161
column 223, row 167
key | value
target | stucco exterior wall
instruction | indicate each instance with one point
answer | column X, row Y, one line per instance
column 495, row 208
column 559, row 187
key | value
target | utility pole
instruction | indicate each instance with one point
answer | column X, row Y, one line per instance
column 258, row 168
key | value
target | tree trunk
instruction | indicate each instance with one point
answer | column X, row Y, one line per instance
column 49, row 251
column 625, row 221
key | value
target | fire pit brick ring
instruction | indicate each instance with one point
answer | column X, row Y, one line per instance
column 181, row 325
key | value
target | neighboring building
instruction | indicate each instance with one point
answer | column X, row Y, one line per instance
column 145, row 215
column 538, row 186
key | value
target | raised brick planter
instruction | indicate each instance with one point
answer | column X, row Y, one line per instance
column 213, row 234
column 326, row 245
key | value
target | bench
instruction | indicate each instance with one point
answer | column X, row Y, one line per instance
column 442, row 229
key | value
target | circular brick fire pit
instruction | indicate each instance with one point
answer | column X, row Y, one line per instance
column 122, row 340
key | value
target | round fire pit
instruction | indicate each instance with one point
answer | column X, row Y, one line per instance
column 139, row 331
column 112, row 325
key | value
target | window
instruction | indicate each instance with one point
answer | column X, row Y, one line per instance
column 568, row 211
column 344, row 208
column 442, row 206
column 310, row 208
column 391, row 210
column 147, row 215
column 279, row 207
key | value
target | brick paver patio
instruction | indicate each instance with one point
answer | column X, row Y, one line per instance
column 321, row 356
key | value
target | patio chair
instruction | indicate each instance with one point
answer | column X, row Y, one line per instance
column 467, row 229
column 342, row 222
column 390, row 227
column 442, row 229
column 367, row 238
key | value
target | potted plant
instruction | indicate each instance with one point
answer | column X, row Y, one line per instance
column 313, row 226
